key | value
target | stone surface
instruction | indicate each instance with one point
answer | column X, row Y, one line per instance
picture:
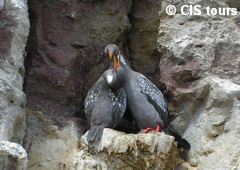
column 2, row 4
column 118, row 150
column 214, row 126
column 12, row 156
column 193, row 47
column 50, row 146
column 14, row 28
column 200, row 68
column 142, row 37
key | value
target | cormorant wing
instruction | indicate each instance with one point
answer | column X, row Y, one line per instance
column 154, row 95
column 92, row 97
column 119, row 105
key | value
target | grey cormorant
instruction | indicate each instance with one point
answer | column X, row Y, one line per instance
column 145, row 100
column 104, row 106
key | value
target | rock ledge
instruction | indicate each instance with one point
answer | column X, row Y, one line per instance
column 118, row 150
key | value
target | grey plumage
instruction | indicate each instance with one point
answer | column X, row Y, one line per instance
column 145, row 100
column 154, row 95
column 104, row 107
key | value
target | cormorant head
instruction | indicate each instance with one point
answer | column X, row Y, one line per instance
column 113, row 81
column 114, row 54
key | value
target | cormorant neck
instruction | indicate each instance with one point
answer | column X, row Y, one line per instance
column 123, row 62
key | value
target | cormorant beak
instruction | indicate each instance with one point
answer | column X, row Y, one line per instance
column 110, row 53
column 117, row 63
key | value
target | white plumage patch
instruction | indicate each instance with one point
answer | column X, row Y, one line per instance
column 109, row 78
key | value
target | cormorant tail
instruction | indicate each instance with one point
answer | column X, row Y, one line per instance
column 95, row 133
column 182, row 143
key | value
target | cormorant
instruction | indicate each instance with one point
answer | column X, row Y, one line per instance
column 145, row 100
column 104, row 106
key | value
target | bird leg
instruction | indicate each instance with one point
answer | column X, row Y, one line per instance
column 158, row 129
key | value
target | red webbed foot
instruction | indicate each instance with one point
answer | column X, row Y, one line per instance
column 158, row 129
column 148, row 130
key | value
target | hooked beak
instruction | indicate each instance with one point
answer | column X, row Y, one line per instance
column 110, row 53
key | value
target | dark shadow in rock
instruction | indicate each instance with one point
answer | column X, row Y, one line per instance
column 127, row 124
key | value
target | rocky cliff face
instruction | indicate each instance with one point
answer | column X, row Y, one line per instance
column 194, row 60
column 13, row 35
column 200, row 67
column 14, row 28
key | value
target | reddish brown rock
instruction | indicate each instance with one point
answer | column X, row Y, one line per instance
column 65, row 50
